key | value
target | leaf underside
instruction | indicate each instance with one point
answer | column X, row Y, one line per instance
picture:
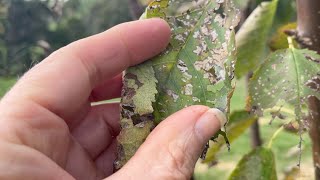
column 195, row 69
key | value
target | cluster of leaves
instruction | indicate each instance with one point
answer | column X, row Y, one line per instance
column 286, row 77
column 32, row 29
column 196, row 68
column 22, row 30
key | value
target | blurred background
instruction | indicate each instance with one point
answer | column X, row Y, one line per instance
column 32, row 29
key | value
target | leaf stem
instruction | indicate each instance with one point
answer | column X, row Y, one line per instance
column 290, row 42
column 274, row 136
column 283, row 109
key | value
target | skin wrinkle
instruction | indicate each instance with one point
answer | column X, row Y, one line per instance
column 8, row 134
column 91, row 68
column 37, row 128
column 115, row 124
column 177, row 161
column 179, row 151
column 23, row 139
column 113, row 90
column 33, row 158
column 84, row 141
column 110, row 121
column 73, row 154
column 105, row 161
column 74, row 121
column 43, row 101
column 111, row 127
column 91, row 71
column 129, row 61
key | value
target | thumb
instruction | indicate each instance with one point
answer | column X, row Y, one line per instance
column 174, row 146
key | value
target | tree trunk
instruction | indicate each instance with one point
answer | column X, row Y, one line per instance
column 314, row 105
column 255, row 135
column 309, row 37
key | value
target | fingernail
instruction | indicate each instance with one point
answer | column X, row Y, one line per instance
column 219, row 115
column 210, row 122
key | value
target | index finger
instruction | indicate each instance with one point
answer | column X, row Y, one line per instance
column 63, row 82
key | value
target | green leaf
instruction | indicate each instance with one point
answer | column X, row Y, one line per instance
column 288, row 76
column 195, row 69
column 252, row 38
column 286, row 13
column 257, row 165
column 239, row 122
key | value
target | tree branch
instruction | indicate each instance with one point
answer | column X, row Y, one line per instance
column 256, row 140
column 309, row 33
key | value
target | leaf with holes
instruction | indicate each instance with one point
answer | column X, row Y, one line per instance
column 195, row 69
column 252, row 37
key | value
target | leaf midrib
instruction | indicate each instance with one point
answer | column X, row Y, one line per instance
column 180, row 51
column 296, row 68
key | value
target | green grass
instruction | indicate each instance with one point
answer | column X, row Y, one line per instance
column 284, row 143
column 6, row 84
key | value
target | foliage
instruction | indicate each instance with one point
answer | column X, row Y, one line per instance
column 196, row 68
column 24, row 29
column 299, row 74
column 31, row 30
column 258, row 164
column 252, row 36
column 5, row 85
column 238, row 123
column 288, row 77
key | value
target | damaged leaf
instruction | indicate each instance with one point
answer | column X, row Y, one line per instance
column 130, row 138
column 288, row 76
column 195, row 69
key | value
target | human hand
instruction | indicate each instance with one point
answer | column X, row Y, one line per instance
column 49, row 130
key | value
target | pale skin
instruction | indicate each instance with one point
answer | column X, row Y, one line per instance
column 49, row 130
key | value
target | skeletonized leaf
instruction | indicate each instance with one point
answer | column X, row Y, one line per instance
column 287, row 76
column 252, row 37
column 238, row 123
column 257, row 165
column 196, row 68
